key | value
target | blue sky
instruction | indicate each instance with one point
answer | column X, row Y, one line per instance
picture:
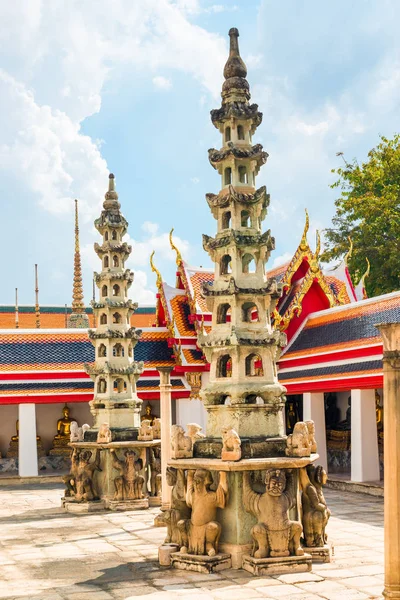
column 91, row 87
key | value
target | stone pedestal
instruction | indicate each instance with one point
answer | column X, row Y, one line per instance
column 104, row 480
column 72, row 506
column 201, row 564
column 236, row 522
column 277, row 566
column 322, row 554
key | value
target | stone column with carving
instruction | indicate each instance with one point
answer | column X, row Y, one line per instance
column 390, row 333
column 166, row 420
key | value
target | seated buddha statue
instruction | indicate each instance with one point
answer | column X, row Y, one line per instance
column 62, row 437
column 332, row 412
column 64, row 425
column 148, row 414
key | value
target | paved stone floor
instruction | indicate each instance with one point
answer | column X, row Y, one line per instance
column 46, row 554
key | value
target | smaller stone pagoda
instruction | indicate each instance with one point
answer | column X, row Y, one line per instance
column 114, row 463
column 114, row 372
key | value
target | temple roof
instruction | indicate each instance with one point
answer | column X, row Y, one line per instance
column 339, row 348
column 54, row 317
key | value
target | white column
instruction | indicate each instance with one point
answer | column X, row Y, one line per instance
column 166, row 423
column 364, row 437
column 27, row 448
column 314, row 410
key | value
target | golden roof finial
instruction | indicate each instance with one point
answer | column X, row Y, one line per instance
column 178, row 254
column 156, row 271
column 362, row 278
column 318, row 244
column 78, row 305
column 304, row 242
column 349, row 252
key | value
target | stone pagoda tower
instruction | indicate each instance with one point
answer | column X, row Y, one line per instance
column 114, row 372
column 243, row 479
column 78, row 318
column 243, row 390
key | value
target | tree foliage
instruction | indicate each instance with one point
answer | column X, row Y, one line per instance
column 368, row 211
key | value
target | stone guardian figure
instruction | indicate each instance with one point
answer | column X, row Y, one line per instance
column 201, row 533
column 315, row 511
column 275, row 534
column 179, row 509
column 129, row 484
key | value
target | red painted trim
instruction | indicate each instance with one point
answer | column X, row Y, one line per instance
column 38, row 375
column 332, row 356
column 46, row 399
column 185, row 368
column 184, row 342
column 336, row 385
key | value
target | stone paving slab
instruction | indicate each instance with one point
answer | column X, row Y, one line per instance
column 47, row 554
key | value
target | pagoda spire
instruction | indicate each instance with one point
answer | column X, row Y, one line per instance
column 115, row 372
column 242, row 346
column 78, row 317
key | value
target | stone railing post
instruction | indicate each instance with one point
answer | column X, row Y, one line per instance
column 390, row 333
column 166, row 423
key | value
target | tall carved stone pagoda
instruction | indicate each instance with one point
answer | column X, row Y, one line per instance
column 242, row 347
column 114, row 372
column 78, row 318
column 242, row 480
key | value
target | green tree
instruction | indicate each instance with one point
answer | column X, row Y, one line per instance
column 368, row 211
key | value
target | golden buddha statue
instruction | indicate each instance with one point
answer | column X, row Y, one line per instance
column 12, row 451
column 379, row 411
column 64, row 425
column 62, row 437
column 148, row 414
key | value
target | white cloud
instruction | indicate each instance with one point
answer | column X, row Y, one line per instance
column 280, row 260
column 195, row 180
column 53, row 78
column 253, row 61
column 139, row 291
column 150, row 227
column 162, row 83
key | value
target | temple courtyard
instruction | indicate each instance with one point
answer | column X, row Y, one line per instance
column 47, row 554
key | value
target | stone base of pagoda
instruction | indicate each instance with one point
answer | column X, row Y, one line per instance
column 248, row 420
column 255, row 447
column 121, row 505
column 103, row 480
column 236, row 522
column 73, row 506
column 321, row 554
column 201, row 564
column 277, row 566
column 123, row 417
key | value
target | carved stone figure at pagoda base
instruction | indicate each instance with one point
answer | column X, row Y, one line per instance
column 78, row 433
column 315, row 511
column 231, row 445
column 181, row 444
column 179, row 509
column 145, row 431
column 82, row 481
column 299, row 443
column 156, row 428
column 155, row 471
column 129, row 483
column 194, row 431
column 275, row 534
column 200, row 534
